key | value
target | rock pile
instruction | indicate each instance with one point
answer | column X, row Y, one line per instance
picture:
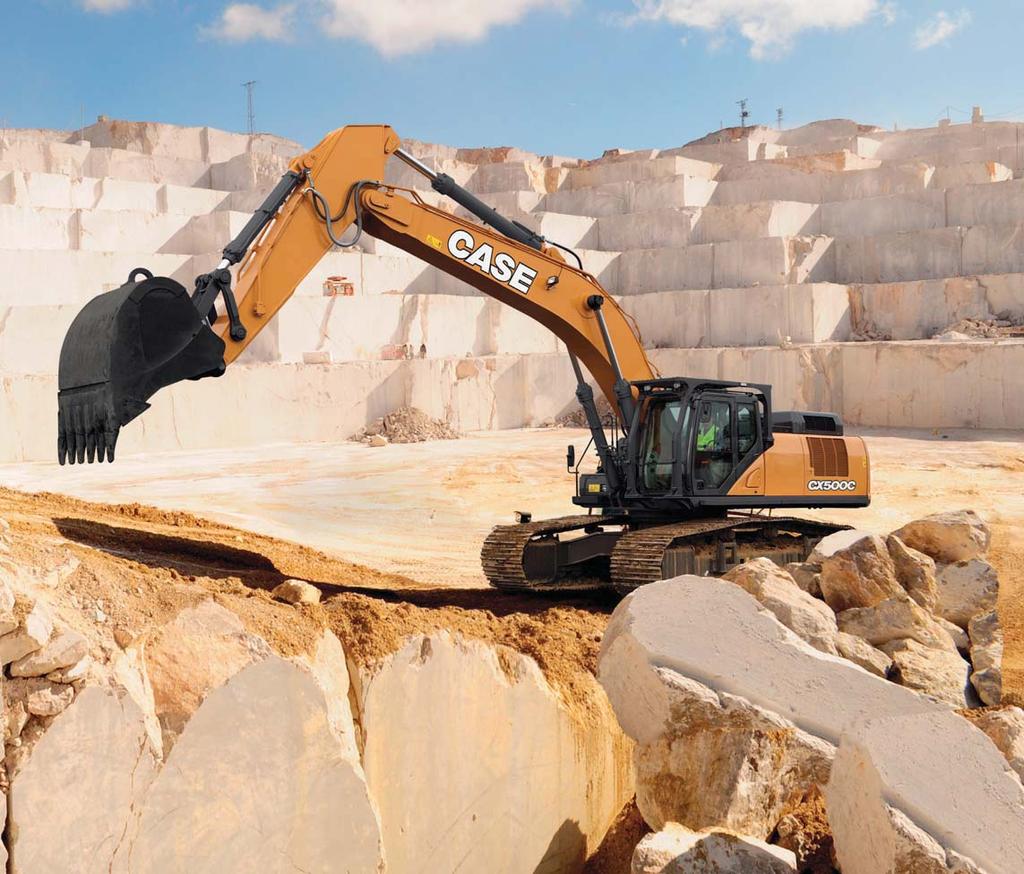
column 406, row 425
column 757, row 703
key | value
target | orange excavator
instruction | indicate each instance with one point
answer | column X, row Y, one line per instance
column 688, row 473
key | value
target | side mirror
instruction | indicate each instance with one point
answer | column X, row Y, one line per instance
column 570, row 458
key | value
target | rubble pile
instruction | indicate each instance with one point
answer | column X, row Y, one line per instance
column 406, row 425
column 820, row 709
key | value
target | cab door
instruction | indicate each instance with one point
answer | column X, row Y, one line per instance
column 726, row 441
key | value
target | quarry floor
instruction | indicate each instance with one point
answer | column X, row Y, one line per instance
column 402, row 525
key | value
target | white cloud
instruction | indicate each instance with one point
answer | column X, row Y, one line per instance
column 241, row 22
column 106, row 5
column 770, row 26
column 392, row 27
column 397, row 27
column 939, row 28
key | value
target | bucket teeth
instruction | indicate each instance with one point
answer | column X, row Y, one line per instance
column 87, row 428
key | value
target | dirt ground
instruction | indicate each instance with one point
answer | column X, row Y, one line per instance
column 393, row 532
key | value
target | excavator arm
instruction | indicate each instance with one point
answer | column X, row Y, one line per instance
column 127, row 344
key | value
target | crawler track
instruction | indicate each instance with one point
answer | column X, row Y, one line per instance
column 639, row 554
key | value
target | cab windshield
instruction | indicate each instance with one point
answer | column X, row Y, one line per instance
column 662, row 444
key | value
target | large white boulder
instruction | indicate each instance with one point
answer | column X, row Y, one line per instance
column 894, row 619
column 258, row 780
column 966, row 589
column 941, row 673
column 860, row 652
column 534, row 790
column 776, row 589
column 75, row 793
column 915, row 572
column 1005, row 728
column 677, row 850
column 959, row 535
column 919, row 791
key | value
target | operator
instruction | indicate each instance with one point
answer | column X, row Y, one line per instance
column 707, row 431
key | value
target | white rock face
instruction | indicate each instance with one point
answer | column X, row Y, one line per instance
column 776, row 589
column 948, row 537
column 74, row 795
column 966, row 589
column 677, row 850
column 987, row 657
column 941, row 673
column 926, row 786
column 258, row 781
column 537, row 780
column 830, row 544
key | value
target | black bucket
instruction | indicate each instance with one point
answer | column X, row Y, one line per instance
column 122, row 348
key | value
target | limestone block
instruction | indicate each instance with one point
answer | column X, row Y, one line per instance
column 960, row 638
column 966, row 172
column 894, row 214
column 645, row 270
column 9, row 620
column 859, row 575
column 895, row 618
column 297, row 592
column 751, row 221
column 928, row 254
column 986, row 649
column 256, row 782
column 776, row 590
column 82, row 781
column 38, row 228
column 885, row 180
column 721, row 762
column 648, row 230
column 941, row 673
column 136, row 167
column 536, row 756
column 950, row 536
column 987, row 204
column 675, row 192
column 638, row 169
column 992, row 249
column 720, row 637
column 251, row 170
column 832, row 543
column 895, row 778
column 766, row 315
column 807, row 576
column 915, row 571
column 32, row 633
column 196, row 653
column 966, row 589
column 671, row 318
column 773, row 261
column 515, row 176
column 1005, row 728
column 677, row 850
column 63, row 651
column 860, row 652
column 784, row 183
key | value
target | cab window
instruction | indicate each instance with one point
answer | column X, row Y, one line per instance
column 713, row 455
column 660, row 435
column 746, row 428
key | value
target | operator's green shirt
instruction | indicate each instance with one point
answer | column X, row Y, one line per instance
column 706, row 437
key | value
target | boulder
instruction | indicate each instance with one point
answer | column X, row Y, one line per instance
column 961, row 640
column 859, row 575
column 806, row 833
column 258, row 780
column 73, row 795
column 966, row 589
column 895, row 619
column 896, row 802
column 1005, row 728
column 545, row 778
column 776, row 590
column 33, row 632
column 987, row 657
column 677, row 850
column 48, row 699
column 941, row 673
column 830, row 544
column 721, row 762
column 8, row 619
column 948, row 537
column 297, row 592
column 807, row 576
column 915, row 571
column 63, row 651
column 198, row 651
column 860, row 652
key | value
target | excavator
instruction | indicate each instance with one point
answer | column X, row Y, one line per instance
column 689, row 471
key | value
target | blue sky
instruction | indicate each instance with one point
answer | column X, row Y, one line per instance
column 570, row 77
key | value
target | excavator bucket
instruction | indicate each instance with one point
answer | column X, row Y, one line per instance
column 121, row 348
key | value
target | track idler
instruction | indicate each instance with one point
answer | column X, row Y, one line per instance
column 122, row 348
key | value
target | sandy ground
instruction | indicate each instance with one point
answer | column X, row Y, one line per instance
column 421, row 511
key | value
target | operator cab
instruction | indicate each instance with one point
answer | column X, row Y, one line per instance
column 688, row 440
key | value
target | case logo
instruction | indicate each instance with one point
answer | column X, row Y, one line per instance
column 502, row 266
column 832, row 485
